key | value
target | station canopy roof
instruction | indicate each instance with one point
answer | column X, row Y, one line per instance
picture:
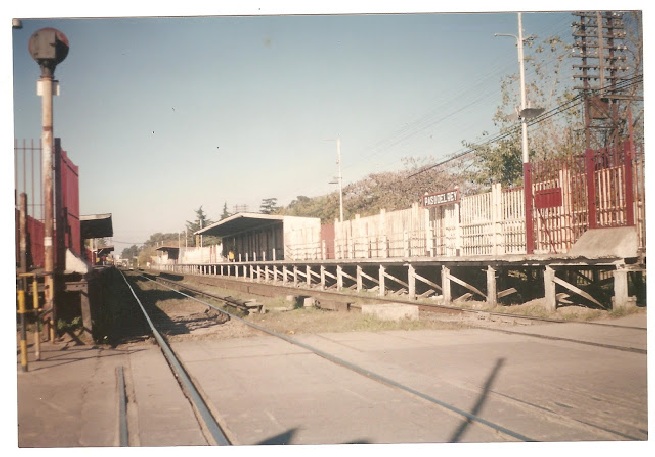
column 96, row 226
column 168, row 248
column 105, row 250
column 239, row 223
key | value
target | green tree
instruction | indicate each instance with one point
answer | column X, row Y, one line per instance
column 226, row 213
column 391, row 190
column 201, row 221
column 268, row 206
column 549, row 84
column 130, row 253
column 325, row 207
column 499, row 159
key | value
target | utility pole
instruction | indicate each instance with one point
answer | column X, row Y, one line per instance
column 48, row 47
column 524, row 114
column 603, row 73
column 339, row 178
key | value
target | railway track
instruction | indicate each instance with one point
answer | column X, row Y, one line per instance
column 204, row 310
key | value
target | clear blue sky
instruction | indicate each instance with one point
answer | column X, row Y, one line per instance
column 163, row 115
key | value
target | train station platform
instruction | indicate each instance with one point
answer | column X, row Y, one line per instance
column 69, row 398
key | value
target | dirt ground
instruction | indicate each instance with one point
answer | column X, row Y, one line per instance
column 187, row 318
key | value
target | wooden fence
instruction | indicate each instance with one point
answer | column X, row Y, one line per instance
column 483, row 224
column 604, row 188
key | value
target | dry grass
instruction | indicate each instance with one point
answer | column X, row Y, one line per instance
column 537, row 308
column 314, row 320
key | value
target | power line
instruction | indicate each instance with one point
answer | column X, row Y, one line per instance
column 544, row 116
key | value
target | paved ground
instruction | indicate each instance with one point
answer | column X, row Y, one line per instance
column 270, row 392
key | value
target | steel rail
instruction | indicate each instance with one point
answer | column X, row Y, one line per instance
column 362, row 371
column 471, row 311
column 122, row 408
column 189, row 389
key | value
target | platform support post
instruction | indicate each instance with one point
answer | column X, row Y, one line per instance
column 381, row 279
column 339, row 277
column 620, row 287
column 411, row 281
column 491, row 286
column 549, row 289
column 360, row 281
column 445, row 285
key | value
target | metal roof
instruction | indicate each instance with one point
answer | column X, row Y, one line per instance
column 239, row 223
column 96, row 226
column 168, row 248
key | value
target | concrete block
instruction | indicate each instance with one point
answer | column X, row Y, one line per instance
column 309, row 302
column 392, row 311
column 611, row 241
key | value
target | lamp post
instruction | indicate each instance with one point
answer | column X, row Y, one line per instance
column 524, row 114
column 48, row 47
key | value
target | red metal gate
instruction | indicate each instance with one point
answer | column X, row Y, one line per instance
column 589, row 191
column 327, row 239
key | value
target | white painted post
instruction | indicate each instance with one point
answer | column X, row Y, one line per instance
column 491, row 286
column 360, row 281
column 429, row 235
column 458, row 230
column 339, row 277
column 381, row 279
column 620, row 287
column 445, row 285
column 411, row 281
column 549, row 289
column 496, row 218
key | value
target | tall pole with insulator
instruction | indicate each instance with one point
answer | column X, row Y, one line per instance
column 48, row 47
column 525, row 113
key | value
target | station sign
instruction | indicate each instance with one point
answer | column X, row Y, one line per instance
column 441, row 198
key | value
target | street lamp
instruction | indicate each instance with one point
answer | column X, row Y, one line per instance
column 339, row 179
column 524, row 114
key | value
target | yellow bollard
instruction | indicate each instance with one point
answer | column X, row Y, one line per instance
column 23, row 333
column 37, row 335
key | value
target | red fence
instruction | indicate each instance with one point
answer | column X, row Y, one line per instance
column 69, row 204
column 28, row 178
column 599, row 189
